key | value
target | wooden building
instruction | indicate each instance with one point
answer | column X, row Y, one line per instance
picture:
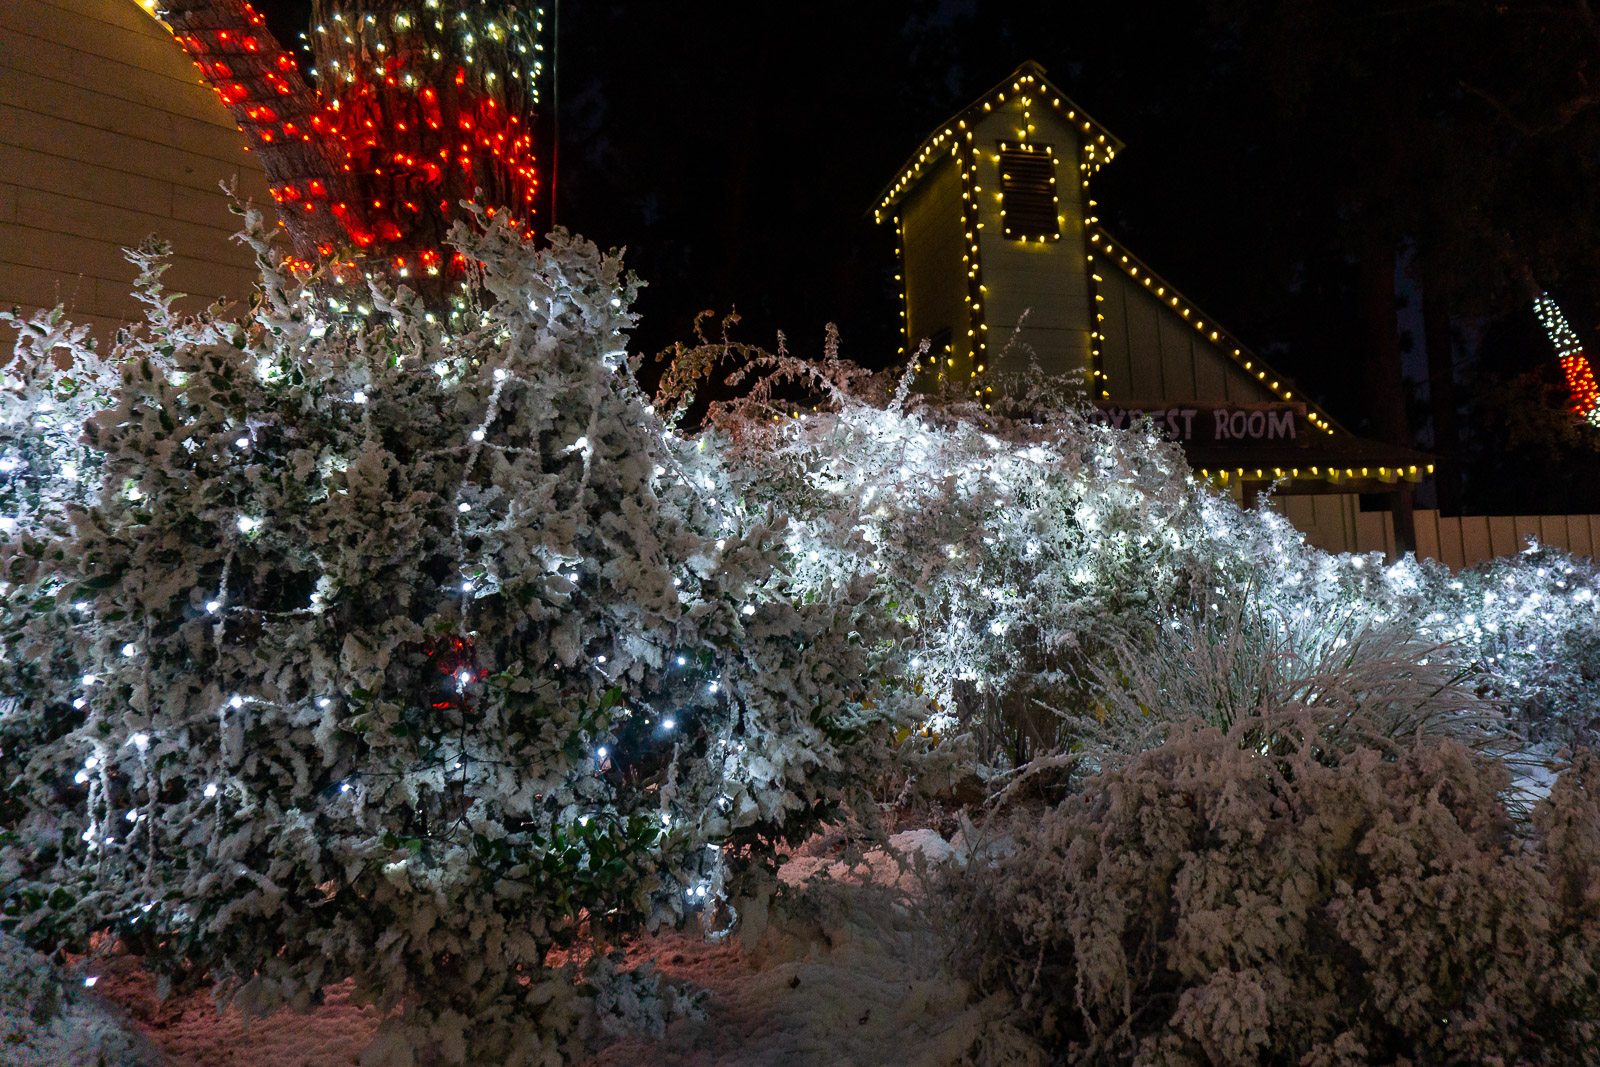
column 1004, row 260
column 108, row 134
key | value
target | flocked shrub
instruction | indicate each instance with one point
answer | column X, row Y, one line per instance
column 1268, row 895
column 406, row 644
column 366, row 638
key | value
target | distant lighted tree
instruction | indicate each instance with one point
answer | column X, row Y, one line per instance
column 1574, row 364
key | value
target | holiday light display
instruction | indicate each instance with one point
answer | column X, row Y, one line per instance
column 458, row 655
column 1574, row 364
column 419, row 107
column 1017, row 102
column 352, row 642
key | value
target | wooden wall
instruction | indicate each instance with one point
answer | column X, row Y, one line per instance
column 1331, row 522
column 107, row 135
column 1470, row 539
column 935, row 280
column 1049, row 281
column 1150, row 352
column 1337, row 524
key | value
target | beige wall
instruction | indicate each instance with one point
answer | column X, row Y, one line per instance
column 106, row 135
column 935, row 283
column 1150, row 352
column 1337, row 524
column 1049, row 281
column 1334, row 522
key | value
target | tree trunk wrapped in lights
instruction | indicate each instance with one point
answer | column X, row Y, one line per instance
column 1574, row 364
column 422, row 105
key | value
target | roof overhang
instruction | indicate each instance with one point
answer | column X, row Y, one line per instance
column 1337, row 463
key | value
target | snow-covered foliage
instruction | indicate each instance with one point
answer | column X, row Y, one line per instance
column 1220, row 900
column 406, row 647
column 365, row 639
column 1040, row 563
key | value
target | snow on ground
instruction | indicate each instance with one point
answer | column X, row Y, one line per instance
column 191, row 1032
column 856, row 978
column 49, row 1020
column 861, row 983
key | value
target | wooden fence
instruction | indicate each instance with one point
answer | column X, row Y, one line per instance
column 1470, row 539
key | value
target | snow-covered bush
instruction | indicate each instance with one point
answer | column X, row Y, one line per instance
column 1038, row 561
column 1016, row 547
column 1223, row 900
column 406, row 644
column 1527, row 628
column 1369, row 683
column 368, row 638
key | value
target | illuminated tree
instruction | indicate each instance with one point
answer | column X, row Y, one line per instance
column 420, row 106
column 1574, row 364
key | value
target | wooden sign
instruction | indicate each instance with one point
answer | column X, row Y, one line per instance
column 1200, row 423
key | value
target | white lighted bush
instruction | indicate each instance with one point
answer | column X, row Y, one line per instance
column 369, row 638
column 405, row 644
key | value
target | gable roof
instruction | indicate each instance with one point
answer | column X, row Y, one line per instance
column 1100, row 146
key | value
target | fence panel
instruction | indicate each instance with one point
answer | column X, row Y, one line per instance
column 1465, row 541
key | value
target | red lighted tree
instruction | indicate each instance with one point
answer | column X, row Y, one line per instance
column 420, row 105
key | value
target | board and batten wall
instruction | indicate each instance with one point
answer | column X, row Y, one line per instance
column 935, row 286
column 1037, row 306
column 1149, row 352
column 107, row 135
column 1336, row 523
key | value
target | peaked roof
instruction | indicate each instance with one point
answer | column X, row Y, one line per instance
column 1100, row 147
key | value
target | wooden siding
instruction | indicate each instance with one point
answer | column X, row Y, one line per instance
column 1471, row 539
column 935, row 279
column 1331, row 521
column 1048, row 281
column 1151, row 352
column 1336, row 523
column 108, row 135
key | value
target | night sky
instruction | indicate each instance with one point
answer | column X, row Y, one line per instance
column 736, row 151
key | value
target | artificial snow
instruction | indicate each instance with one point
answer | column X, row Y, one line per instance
column 858, row 980
column 49, row 1020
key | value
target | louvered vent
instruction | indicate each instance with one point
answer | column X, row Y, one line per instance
column 1028, row 192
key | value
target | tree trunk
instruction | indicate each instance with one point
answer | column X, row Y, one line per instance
column 418, row 111
column 1442, row 393
column 1382, row 367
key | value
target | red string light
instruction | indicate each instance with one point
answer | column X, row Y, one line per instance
column 1581, row 383
column 373, row 123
